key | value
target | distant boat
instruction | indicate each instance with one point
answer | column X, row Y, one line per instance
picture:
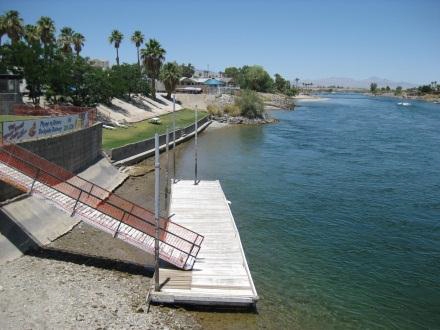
column 405, row 104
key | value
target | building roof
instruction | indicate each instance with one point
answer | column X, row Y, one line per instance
column 214, row 82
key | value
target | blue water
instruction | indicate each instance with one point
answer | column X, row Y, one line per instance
column 338, row 208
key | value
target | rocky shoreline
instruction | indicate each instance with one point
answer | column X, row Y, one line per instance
column 240, row 120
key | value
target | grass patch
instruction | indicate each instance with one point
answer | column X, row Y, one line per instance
column 113, row 138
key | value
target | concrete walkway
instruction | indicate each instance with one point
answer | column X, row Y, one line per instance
column 31, row 220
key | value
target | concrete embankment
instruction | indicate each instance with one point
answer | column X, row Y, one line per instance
column 135, row 152
column 31, row 221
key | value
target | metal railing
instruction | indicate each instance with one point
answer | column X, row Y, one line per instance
column 136, row 148
column 83, row 191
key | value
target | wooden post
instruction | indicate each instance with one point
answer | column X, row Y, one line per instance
column 195, row 148
column 156, row 211
column 174, row 138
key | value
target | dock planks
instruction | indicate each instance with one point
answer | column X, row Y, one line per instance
column 220, row 275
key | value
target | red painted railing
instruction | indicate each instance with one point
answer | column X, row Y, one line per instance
column 178, row 238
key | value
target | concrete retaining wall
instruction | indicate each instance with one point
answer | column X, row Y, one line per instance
column 132, row 149
column 74, row 151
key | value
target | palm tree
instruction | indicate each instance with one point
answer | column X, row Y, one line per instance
column 152, row 58
column 116, row 38
column 13, row 25
column 170, row 75
column 46, row 29
column 65, row 39
column 31, row 34
column 296, row 80
column 78, row 42
column 138, row 39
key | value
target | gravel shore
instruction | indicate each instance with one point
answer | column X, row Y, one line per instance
column 85, row 280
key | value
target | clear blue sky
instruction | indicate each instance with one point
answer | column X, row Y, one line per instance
column 394, row 39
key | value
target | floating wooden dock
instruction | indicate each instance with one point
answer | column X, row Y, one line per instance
column 220, row 275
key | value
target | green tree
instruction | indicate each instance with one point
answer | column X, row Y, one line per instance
column 46, row 29
column 116, row 39
column 153, row 57
column 255, row 78
column 65, row 39
column 250, row 104
column 373, row 88
column 13, row 25
column 187, row 70
column 27, row 61
column 398, row 90
column 59, row 77
column 233, row 72
column 31, row 34
column 78, row 42
column 170, row 75
column 282, row 85
column 138, row 39
column 425, row 89
column 125, row 80
column 388, row 88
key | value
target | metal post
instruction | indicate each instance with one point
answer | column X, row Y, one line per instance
column 174, row 138
column 33, row 182
column 76, row 203
column 156, row 211
column 195, row 148
column 167, row 169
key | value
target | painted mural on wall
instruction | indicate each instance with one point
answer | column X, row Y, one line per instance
column 25, row 130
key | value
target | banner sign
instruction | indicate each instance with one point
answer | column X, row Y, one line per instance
column 25, row 130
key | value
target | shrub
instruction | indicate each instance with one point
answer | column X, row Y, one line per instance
column 214, row 110
column 232, row 110
column 250, row 104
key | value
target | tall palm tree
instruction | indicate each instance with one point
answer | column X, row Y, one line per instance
column 138, row 39
column 13, row 25
column 31, row 34
column 65, row 39
column 116, row 39
column 296, row 80
column 46, row 29
column 78, row 42
column 170, row 75
column 152, row 58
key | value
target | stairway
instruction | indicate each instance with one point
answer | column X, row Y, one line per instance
column 97, row 206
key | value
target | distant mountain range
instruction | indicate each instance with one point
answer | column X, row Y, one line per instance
column 364, row 83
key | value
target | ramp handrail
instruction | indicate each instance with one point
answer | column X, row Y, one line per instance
column 94, row 196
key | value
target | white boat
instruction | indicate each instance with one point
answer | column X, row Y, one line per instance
column 405, row 104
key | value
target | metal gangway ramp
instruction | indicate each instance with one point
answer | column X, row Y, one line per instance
column 97, row 206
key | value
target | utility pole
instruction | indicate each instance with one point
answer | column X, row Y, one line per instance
column 156, row 211
column 195, row 148
column 174, row 138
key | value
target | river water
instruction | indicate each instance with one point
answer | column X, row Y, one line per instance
column 338, row 208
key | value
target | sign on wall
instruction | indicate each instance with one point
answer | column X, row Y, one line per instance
column 25, row 130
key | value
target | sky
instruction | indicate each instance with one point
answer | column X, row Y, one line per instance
column 393, row 39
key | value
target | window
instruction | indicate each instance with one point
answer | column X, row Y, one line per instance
column 3, row 86
column 11, row 86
